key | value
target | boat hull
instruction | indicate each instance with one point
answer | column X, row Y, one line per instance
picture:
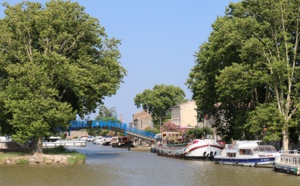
column 289, row 169
column 205, row 149
column 253, row 162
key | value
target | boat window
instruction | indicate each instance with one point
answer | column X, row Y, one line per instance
column 231, row 154
column 268, row 148
column 250, row 152
column 294, row 161
column 242, row 151
column 262, row 149
column 255, row 150
column 245, row 152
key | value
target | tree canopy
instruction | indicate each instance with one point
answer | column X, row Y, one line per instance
column 247, row 75
column 106, row 114
column 56, row 61
column 159, row 101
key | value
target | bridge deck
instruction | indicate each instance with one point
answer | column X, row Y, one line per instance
column 114, row 126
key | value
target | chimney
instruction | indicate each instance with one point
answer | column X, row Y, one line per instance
column 121, row 118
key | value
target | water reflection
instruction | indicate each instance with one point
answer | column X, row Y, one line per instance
column 110, row 166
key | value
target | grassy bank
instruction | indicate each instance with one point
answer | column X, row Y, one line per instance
column 72, row 157
column 76, row 158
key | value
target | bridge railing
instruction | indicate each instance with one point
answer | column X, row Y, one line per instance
column 79, row 124
column 141, row 132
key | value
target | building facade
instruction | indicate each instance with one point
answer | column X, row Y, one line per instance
column 184, row 115
column 142, row 120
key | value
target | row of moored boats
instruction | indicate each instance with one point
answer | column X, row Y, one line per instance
column 244, row 153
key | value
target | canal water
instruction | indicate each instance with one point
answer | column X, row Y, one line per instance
column 106, row 166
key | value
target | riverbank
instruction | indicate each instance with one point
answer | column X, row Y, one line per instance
column 55, row 156
column 140, row 148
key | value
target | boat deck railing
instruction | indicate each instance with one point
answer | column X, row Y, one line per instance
column 289, row 152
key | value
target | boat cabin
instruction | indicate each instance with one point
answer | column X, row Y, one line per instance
column 171, row 137
column 290, row 157
column 53, row 138
column 119, row 141
column 249, row 149
column 288, row 161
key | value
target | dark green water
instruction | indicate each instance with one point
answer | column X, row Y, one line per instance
column 119, row 167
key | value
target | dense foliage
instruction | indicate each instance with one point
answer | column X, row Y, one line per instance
column 56, row 61
column 151, row 130
column 247, row 75
column 159, row 101
column 199, row 133
column 106, row 115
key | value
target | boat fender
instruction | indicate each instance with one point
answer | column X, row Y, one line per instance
column 211, row 154
column 187, row 150
column 215, row 153
column 295, row 170
column 204, row 154
column 288, row 170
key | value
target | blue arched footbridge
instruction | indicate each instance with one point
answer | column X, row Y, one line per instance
column 112, row 125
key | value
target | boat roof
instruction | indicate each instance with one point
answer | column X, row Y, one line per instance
column 247, row 144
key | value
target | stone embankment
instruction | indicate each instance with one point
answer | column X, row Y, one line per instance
column 37, row 159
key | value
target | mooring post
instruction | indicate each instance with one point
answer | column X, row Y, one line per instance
column 129, row 144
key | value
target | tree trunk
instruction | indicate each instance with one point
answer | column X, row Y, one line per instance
column 285, row 138
column 38, row 149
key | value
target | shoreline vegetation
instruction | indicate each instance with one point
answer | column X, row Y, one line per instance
column 54, row 156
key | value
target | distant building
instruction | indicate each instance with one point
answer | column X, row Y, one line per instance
column 142, row 120
column 185, row 115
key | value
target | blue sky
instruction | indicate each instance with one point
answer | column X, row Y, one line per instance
column 159, row 40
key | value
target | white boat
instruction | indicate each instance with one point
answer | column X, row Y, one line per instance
column 97, row 140
column 198, row 148
column 288, row 162
column 121, row 141
column 105, row 141
column 247, row 153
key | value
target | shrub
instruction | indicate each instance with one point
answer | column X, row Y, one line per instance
column 76, row 158
column 22, row 162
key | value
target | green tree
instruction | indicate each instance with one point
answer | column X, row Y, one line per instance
column 250, row 67
column 104, row 132
column 56, row 61
column 159, row 100
column 151, row 130
column 106, row 114
column 198, row 133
